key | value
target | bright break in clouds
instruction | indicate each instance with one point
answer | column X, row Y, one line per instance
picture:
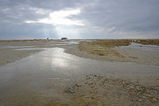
column 87, row 19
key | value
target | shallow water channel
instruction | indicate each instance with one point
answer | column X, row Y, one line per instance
column 47, row 74
column 153, row 48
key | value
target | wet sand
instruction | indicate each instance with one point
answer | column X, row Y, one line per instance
column 52, row 77
column 10, row 51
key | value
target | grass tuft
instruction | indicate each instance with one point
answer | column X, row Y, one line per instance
column 102, row 47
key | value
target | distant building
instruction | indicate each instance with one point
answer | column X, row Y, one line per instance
column 64, row 38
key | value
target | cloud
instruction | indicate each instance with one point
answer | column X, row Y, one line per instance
column 90, row 18
column 126, row 16
column 59, row 18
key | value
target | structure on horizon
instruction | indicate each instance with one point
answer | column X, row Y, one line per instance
column 64, row 38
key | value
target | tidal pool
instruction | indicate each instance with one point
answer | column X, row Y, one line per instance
column 35, row 79
column 153, row 48
column 15, row 47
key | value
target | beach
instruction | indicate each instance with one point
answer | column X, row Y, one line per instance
column 66, row 73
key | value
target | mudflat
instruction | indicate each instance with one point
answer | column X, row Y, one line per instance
column 108, row 87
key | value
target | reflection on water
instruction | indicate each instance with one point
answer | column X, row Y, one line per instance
column 59, row 59
column 30, row 49
column 15, row 46
column 59, row 62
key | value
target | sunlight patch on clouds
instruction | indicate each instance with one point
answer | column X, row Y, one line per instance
column 64, row 13
column 39, row 10
column 60, row 18
column 110, row 29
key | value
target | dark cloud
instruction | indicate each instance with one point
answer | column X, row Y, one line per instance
column 102, row 18
column 124, row 14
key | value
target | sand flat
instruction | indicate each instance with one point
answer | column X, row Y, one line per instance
column 136, row 53
column 52, row 77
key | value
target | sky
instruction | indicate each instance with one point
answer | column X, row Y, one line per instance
column 79, row 19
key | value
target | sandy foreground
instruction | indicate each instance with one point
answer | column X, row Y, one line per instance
column 95, row 90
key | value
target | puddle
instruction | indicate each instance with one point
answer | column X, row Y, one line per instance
column 72, row 43
column 30, row 49
column 49, row 72
column 16, row 47
column 68, row 43
column 153, row 48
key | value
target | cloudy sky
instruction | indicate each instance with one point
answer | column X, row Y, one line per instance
column 79, row 19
